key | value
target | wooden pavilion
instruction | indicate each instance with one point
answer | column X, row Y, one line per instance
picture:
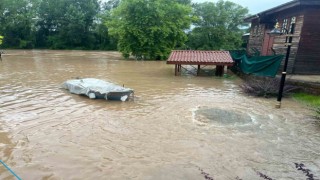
column 200, row 58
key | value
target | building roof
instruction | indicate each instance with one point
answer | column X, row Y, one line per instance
column 191, row 57
column 283, row 7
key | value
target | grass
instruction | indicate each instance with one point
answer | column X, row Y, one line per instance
column 311, row 100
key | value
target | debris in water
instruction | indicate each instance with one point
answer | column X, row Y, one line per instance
column 301, row 167
column 263, row 176
column 206, row 175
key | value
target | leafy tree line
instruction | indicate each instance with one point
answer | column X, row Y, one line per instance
column 54, row 24
column 218, row 26
column 147, row 29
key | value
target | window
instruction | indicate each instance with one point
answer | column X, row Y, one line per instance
column 260, row 30
column 287, row 24
column 293, row 21
column 255, row 30
column 284, row 25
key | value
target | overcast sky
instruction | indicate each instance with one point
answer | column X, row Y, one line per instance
column 254, row 6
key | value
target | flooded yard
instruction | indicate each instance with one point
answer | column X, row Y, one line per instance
column 177, row 127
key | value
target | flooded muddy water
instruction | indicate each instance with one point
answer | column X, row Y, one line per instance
column 182, row 127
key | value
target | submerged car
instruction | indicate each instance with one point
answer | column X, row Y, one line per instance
column 98, row 89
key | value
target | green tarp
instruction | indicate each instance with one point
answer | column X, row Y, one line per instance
column 257, row 65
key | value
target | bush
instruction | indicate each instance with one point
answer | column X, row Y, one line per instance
column 317, row 110
column 264, row 86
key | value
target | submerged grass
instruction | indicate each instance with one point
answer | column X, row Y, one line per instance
column 310, row 100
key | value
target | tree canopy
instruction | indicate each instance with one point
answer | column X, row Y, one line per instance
column 150, row 29
column 146, row 29
column 64, row 24
column 218, row 26
column 54, row 24
column 15, row 20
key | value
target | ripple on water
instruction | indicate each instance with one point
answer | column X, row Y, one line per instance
column 174, row 127
column 4, row 99
column 20, row 116
column 226, row 118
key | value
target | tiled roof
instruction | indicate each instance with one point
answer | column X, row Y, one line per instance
column 200, row 57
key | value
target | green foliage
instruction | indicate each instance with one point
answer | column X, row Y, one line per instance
column 101, row 31
column 66, row 24
column 1, row 37
column 308, row 98
column 54, row 24
column 217, row 26
column 149, row 29
column 16, row 22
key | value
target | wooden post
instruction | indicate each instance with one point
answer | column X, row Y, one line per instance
column 219, row 70
column 198, row 70
column 175, row 69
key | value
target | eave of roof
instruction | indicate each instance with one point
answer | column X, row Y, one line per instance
column 283, row 7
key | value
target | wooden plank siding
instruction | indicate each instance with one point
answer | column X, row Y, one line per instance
column 305, row 50
column 279, row 40
column 257, row 41
column 256, row 37
column 308, row 56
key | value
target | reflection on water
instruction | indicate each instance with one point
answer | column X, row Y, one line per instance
column 177, row 127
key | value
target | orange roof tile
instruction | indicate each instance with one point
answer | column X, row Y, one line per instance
column 191, row 57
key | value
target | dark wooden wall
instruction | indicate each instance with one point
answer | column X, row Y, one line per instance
column 305, row 50
column 279, row 40
column 308, row 55
column 256, row 37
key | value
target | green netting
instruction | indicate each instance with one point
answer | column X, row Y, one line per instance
column 257, row 65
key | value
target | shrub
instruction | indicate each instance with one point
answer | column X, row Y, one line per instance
column 264, row 86
column 317, row 110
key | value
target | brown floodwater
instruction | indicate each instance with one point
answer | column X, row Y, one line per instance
column 177, row 127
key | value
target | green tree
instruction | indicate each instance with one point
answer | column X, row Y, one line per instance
column 16, row 22
column 102, row 39
column 110, row 4
column 66, row 24
column 56, row 24
column 218, row 26
column 149, row 29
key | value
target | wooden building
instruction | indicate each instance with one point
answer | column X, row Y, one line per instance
column 305, row 50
